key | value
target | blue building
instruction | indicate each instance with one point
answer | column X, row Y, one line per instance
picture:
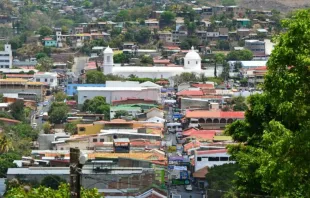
column 72, row 88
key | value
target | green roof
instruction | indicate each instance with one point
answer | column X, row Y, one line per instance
column 124, row 108
column 222, row 138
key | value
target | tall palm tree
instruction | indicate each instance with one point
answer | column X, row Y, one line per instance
column 5, row 144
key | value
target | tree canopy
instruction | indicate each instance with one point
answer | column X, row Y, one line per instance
column 275, row 159
column 62, row 192
column 97, row 105
column 58, row 112
column 167, row 17
column 240, row 55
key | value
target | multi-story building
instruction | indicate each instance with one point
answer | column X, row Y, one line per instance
column 48, row 78
column 152, row 24
column 6, row 58
column 256, row 46
column 33, row 90
column 165, row 36
column 210, row 158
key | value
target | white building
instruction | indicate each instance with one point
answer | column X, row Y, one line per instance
column 6, row 58
column 118, row 90
column 50, row 78
column 192, row 63
column 211, row 158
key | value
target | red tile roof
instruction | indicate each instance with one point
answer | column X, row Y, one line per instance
column 9, row 120
column 201, row 173
column 261, row 68
column 190, row 93
column 210, row 86
column 198, row 132
column 172, row 48
column 214, row 114
column 161, row 61
column 193, row 144
column 212, row 151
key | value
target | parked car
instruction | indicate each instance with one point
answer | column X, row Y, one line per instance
column 188, row 187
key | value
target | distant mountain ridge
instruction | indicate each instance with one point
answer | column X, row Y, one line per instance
column 281, row 5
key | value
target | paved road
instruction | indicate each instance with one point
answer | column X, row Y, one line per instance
column 79, row 64
column 43, row 109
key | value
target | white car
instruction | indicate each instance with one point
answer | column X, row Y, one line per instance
column 188, row 187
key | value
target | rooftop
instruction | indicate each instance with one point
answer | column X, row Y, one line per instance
column 190, row 93
column 215, row 114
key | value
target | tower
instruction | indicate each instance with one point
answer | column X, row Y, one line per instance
column 192, row 60
column 108, row 61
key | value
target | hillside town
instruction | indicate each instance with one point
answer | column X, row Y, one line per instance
column 153, row 98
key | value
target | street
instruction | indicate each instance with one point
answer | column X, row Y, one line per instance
column 41, row 109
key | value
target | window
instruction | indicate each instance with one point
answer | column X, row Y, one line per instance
column 74, row 87
column 82, row 129
column 196, row 62
column 212, row 159
column 224, row 159
column 38, row 80
column 108, row 58
column 45, row 80
column 95, row 140
column 199, row 159
column 51, row 80
column 188, row 62
column 101, row 140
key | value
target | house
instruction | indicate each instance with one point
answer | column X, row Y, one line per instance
column 23, row 87
column 49, row 42
column 165, row 36
column 118, row 90
column 4, row 106
column 213, row 35
column 243, row 22
column 243, row 32
column 131, row 110
column 49, row 78
column 179, row 22
column 71, row 89
column 152, row 24
column 6, row 57
column 235, row 11
column 213, row 119
column 255, row 46
column 210, row 158
column 223, row 33
column 154, row 112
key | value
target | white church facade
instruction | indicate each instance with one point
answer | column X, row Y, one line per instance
column 192, row 63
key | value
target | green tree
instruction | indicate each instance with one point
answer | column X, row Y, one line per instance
column 6, row 144
column 58, row 112
column 228, row 2
column 146, row 59
column 218, row 59
column 24, row 131
column 45, row 31
column 143, row 35
column 44, row 64
column 17, row 110
column 167, row 17
column 95, row 77
column 46, row 127
column 220, row 179
column 52, row 181
column 121, row 58
column 275, row 159
column 119, row 114
column 60, row 96
column 6, row 161
column 1, row 98
column 122, row 16
column 240, row 55
column 71, row 127
column 42, row 191
column 41, row 55
column 97, row 105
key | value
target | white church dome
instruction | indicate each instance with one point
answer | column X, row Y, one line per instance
column 108, row 50
column 192, row 55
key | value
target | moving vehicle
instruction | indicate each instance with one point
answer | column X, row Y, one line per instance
column 41, row 114
column 45, row 116
column 34, row 125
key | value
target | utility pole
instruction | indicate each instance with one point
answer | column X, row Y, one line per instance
column 75, row 186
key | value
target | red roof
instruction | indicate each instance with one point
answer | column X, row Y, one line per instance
column 9, row 120
column 212, row 151
column 172, row 48
column 205, row 86
column 47, row 39
column 161, row 61
column 261, row 68
column 19, row 75
column 214, row 114
column 197, row 132
column 193, row 144
column 209, row 135
column 190, row 93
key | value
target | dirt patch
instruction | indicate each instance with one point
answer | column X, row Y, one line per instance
column 281, row 5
